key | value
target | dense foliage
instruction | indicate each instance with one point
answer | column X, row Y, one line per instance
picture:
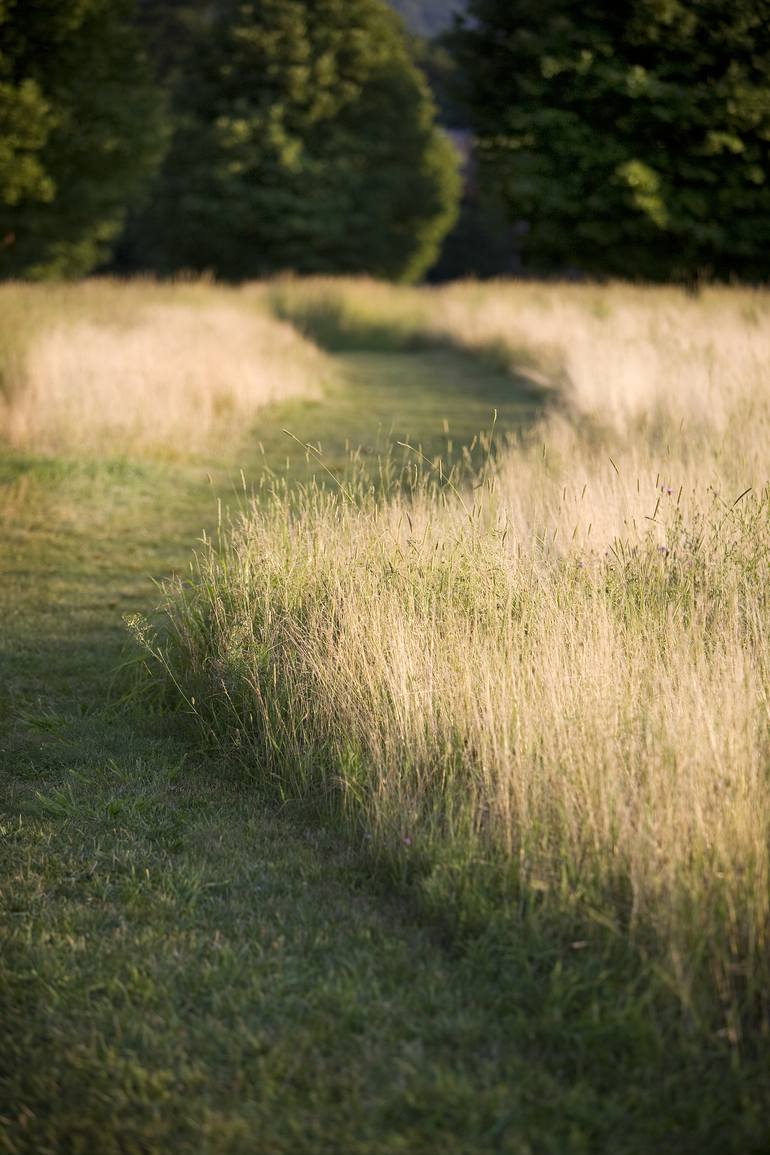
column 428, row 17
column 79, row 131
column 304, row 139
column 302, row 135
column 630, row 138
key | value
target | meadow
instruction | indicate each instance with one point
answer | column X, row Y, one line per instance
column 467, row 683
column 129, row 369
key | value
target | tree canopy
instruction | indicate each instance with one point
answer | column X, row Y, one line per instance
column 632, row 139
column 304, row 138
column 80, row 131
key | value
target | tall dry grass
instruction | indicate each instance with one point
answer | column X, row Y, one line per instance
column 556, row 674
column 125, row 368
column 651, row 389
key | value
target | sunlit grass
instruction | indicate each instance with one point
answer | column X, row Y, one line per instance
column 549, row 679
column 109, row 368
column 522, row 901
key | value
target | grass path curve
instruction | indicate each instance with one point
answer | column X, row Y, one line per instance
column 186, row 968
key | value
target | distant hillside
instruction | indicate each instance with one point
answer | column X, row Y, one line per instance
column 428, row 17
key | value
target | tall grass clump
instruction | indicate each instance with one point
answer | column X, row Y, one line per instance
column 544, row 688
column 127, row 368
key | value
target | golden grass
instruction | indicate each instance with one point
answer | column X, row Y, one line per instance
column 140, row 368
column 562, row 675
column 652, row 388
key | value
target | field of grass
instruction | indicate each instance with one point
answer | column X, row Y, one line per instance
column 142, row 369
column 430, row 809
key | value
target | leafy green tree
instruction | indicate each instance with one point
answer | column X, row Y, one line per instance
column 632, row 139
column 304, row 140
column 80, row 130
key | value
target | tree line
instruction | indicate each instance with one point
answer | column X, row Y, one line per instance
column 246, row 137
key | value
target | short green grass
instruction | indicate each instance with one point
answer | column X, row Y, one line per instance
column 188, row 967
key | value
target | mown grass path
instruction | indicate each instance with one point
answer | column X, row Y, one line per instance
column 187, row 968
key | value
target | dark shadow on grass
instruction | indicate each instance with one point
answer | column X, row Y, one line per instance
column 333, row 323
column 330, row 323
column 402, row 382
